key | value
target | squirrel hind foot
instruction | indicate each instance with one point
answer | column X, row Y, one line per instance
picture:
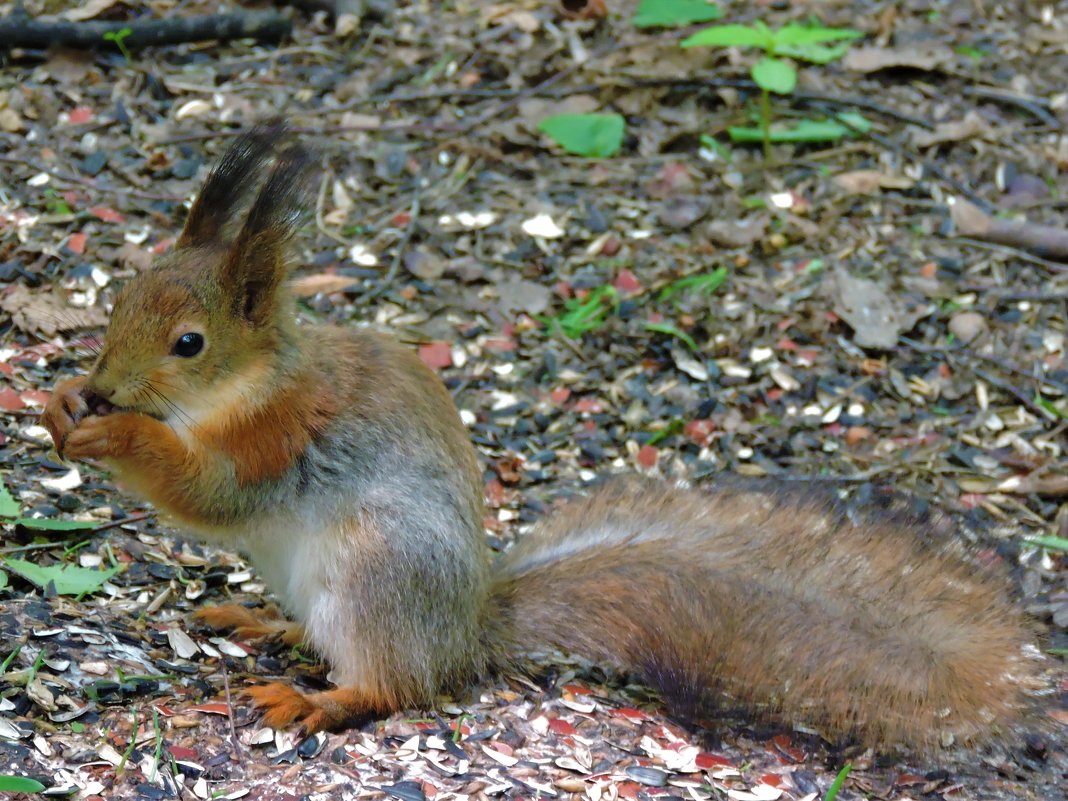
column 282, row 705
column 251, row 624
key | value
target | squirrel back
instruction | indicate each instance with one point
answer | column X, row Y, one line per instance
column 336, row 459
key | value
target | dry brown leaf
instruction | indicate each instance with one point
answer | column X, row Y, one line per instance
column 535, row 109
column 67, row 66
column 133, row 257
column 89, row 9
column 738, row 233
column 876, row 318
column 45, row 312
column 873, row 59
column 862, row 182
column 584, row 9
column 309, row 285
column 954, row 131
column 518, row 14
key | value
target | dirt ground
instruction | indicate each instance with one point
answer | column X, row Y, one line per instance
column 447, row 217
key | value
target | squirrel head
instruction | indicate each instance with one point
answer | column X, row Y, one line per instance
column 216, row 304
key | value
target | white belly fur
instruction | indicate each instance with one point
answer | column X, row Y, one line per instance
column 298, row 557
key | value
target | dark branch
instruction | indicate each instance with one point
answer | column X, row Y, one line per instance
column 264, row 26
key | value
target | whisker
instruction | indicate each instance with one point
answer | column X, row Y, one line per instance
column 142, row 392
column 65, row 322
column 180, row 413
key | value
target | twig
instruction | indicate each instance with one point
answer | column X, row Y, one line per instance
column 960, row 352
column 320, row 203
column 600, row 53
column 1043, row 240
column 89, row 182
column 239, row 753
column 1035, row 106
column 123, row 521
column 864, row 475
column 89, row 530
column 1018, row 253
column 1019, row 394
column 399, row 125
column 22, row 31
column 928, row 166
column 402, row 246
column 1002, row 294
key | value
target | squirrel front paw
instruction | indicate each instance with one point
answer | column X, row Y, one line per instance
column 103, row 437
column 65, row 410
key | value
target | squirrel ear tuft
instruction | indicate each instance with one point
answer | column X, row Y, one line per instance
column 229, row 181
column 256, row 265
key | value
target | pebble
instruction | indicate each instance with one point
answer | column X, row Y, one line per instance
column 966, row 326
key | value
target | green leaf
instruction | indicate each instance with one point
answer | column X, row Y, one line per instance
column 705, row 284
column 591, row 135
column 47, row 524
column 585, row 314
column 1050, row 542
column 720, row 150
column 671, row 330
column 774, row 75
column 674, row 426
column 20, row 784
column 730, row 36
column 9, row 507
column 839, row 780
column 666, row 13
column 794, row 34
column 3, row 579
column 817, row 54
column 857, row 123
column 805, row 131
column 67, row 579
column 1050, row 407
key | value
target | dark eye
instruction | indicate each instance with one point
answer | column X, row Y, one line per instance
column 189, row 345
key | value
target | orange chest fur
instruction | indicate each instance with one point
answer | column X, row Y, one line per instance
column 264, row 442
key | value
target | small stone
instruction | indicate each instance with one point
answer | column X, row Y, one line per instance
column 857, row 434
column 966, row 326
column 185, row 168
column 424, row 263
column 651, row 777
column 680, row 213
column 94, row 163
column 10, row 121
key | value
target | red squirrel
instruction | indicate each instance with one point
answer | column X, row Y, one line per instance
column 338, row 462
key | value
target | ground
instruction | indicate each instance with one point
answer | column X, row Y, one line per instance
column 734, row 338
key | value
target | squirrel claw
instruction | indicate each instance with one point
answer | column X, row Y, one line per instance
column 282, row 706
column 65, row 410
column 251, row 624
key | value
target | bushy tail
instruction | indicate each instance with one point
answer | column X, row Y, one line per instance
column 866, row 628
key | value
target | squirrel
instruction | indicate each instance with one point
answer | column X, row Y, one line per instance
column 338, row 462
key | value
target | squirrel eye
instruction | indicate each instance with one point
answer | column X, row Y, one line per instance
column 189, row 345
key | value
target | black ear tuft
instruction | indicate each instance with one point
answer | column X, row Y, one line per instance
column 284, row 196
column 240, row 168
column 256, row 265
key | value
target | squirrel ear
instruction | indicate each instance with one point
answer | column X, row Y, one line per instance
column 256, row 265
column 227, row 184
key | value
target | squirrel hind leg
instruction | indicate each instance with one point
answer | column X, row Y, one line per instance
column 341, row 707
column 251, row 624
